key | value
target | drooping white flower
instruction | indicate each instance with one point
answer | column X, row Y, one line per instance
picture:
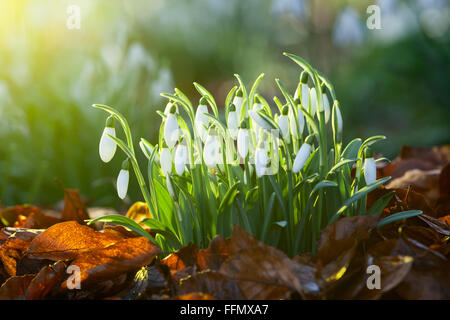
column 302, row 156
column 313, row 97
column 166, row 160
column 232, row 121
column 258, row 121
column 305, row 90
column 326, row 104
column 123, row 180
column 211, row 151
column 261, row 159
column 238, row 100
column 107, row 147
column 169, row 107
column 147, row 149
column 339, row 119
column 243, row 140
column 201, row 121
column 370, row 168
column 283, row 123
column 296, row 125
column 181, row 158
column 171, row 128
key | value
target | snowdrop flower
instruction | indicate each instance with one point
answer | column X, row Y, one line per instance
column 313, row 105
column 201, row 120
column 261, row 159
column 370, row 168
column 305, row 90
column 339, row 118
column 326, row 103
column 166, row 160
column 302, row 155
column 147, row 150
column 123, row 179
column 283, row 123
column 107, row 147
column 211, row 151
column 258, row 121
column 243, row 140
column 238, row 100
column 296, row 125
column 181, row 158
column 171, row 128
column 169, row 107
column 232, row 121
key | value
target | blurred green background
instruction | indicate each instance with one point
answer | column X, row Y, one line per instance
column 392, row 81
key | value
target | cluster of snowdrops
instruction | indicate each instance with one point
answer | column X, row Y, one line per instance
column 281, row 176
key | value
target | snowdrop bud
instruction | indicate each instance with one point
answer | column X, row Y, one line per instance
column 243, row 140
column 305, row 90
column 259, row 121
column 211, row 151
column 166, row 160
column 283, row 123
column 237, row 101
column 261, row 159
column 201, row 120
column 302, row 155
column 107, row 147
column 339, row 119
column 370, row 168
column 296, row 125
column 313, row 101
column 180, row 159
column 326, row 103
column 232, row 121
column 123, row 179
column 147, row 150
column 171, row 128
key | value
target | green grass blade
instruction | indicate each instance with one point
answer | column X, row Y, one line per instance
column 399, row 216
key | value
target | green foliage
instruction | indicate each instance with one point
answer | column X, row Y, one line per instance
column 286, row 207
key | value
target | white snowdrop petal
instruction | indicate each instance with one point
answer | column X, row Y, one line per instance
column 326, row 105
column 339, row 119
column 243, row 142
column 122, row 183
column 313, row 101
column 258, row 120
column 305, row 96
column 211, row 151
column 283, row 123
column 180, row 159
column 201, row 121
column 370, row 171
column 107, row 146
column 171, row 130
column 293, row 124
column 232, row 123
column 261, row 161
column 257, row 107
column 166, row 161
column 147, row 151
column 301, row 120
column 237, row 101
column 301, row 157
